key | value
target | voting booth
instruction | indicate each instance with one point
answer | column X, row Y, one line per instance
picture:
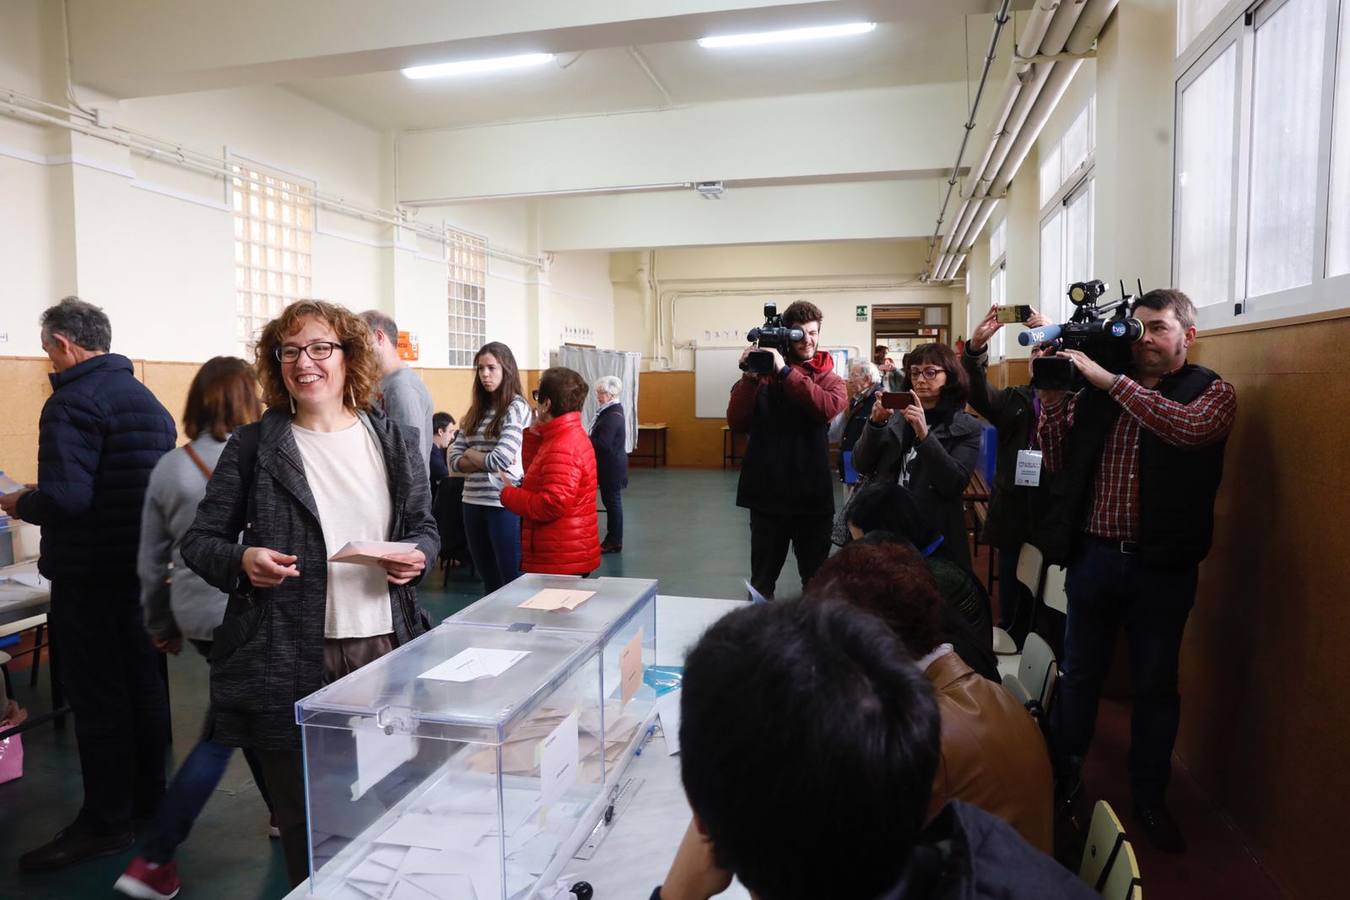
column 473, row 761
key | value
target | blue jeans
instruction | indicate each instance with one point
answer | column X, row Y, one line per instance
column 1107, row 588
column 493, row 534
column 613, row 501
column 193, row 784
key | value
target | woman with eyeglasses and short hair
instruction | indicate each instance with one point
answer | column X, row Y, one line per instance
column 556, row 500
column 487, row 450
column 929, row 447
column 321, row 469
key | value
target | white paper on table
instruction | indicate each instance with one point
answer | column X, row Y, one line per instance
column 559, row 759
column 445, row 887
column 348, row 891
column 537, row 853
column 407, row 890
column 438, row 862
column 388, row 856
column 370, row 553
column 377, row 753
column 668, row 708
column 434, row 832
column 28, row 579
column 475, row 663
column 373, row 873
column 630, row 669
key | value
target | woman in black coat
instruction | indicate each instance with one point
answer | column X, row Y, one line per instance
column 609, row 437
column 931, row 447
column 864, row 382
column 294, row 620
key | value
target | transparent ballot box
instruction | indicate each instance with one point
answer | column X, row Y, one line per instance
column 465, row 764
column 619, row 612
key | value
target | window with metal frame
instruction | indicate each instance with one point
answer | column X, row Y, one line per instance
column 273, row 234
column 466, row 292
column 998, row 283
column 1068, row 193
column 1262, row 167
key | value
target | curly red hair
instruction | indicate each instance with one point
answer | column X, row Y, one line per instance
column 363, row 370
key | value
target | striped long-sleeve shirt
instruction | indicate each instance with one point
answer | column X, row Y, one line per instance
column 502, row 455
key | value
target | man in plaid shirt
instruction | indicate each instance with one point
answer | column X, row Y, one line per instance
column 1140, row 457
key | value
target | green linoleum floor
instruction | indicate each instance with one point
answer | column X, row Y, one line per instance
column 681, row 527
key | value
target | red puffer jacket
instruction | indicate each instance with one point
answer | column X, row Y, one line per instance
column 556, row 500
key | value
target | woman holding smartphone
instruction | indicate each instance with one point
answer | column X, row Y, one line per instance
column 929, row 445
column 487, row 450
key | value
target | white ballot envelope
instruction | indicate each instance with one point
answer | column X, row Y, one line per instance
column 369, row 553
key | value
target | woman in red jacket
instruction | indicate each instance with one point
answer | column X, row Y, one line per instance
column 556, row 499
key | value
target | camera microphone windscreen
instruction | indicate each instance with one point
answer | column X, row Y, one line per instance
column 1038, row 335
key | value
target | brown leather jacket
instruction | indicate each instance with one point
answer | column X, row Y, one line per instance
column 993, row 754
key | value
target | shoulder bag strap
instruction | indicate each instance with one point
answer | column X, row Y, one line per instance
column 197, row 459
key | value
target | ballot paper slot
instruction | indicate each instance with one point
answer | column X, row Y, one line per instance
column 556, row 602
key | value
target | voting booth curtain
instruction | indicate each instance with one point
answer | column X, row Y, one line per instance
column 593, row 364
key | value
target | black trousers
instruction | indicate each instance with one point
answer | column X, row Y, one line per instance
column 1108, row 590
column 613, row 500
column 111, row 676
column 770, row 536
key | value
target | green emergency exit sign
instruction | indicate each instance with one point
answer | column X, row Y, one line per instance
column 862, row 313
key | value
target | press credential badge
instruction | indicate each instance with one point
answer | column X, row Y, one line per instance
column 1028, row 472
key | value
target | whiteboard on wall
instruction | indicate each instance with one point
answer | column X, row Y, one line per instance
column 716, row 369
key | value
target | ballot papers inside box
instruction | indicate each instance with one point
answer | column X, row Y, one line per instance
column 619, row 613
column 464, row 764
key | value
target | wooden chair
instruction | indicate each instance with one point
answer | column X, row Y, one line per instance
column 1037, row 675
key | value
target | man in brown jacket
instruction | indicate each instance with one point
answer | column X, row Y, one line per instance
column 993, row 754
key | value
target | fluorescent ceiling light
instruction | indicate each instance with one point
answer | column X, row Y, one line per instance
column 470, row 66
column 782, row 37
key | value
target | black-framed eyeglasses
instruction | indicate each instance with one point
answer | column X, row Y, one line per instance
column 535, row 394
column 928, row 373
column 289, row 353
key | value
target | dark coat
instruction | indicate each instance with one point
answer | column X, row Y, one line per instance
column 968, row 854
column 268, row 652
column 939, row 475
column 609, row 439
column 786, row 469
column 99, row 437
column 859, row 408
column 1013, row 510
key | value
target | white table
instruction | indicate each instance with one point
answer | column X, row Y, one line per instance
column 638, row 850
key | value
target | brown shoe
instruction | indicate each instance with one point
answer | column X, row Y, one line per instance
column 611, row 548
column 72, row 845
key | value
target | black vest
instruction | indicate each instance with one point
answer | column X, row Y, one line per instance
column 1177, row 485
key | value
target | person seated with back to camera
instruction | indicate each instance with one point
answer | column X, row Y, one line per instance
column 886, row 513
column 930, row 447
column 993, row 753
column 851, row 725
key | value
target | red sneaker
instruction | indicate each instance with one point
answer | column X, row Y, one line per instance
column 144, row 883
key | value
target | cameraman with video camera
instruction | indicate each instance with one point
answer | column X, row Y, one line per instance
column 785, row 406
column 1139, row 456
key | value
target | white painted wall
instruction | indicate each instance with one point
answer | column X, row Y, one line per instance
column 581, row 300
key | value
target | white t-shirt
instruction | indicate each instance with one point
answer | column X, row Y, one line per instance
column 346, row 474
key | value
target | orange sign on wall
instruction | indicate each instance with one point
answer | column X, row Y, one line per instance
column 407, row 346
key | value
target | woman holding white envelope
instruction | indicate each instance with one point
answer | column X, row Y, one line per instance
column 321, row 470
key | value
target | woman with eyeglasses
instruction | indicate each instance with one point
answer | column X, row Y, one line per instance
column 929, row 447
column 556, row 499
column 487, row 450
column 321, row 469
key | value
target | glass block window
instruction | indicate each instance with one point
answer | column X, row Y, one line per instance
column 273, row 232
column 467, row 306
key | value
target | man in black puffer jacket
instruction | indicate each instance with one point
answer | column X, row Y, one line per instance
column 101, row 433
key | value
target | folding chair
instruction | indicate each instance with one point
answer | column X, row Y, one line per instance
column 1122, row 879
column 1105, row 838
column 1030, row 574
column 1037, row 675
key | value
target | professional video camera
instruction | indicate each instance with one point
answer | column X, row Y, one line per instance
column 1103, row 331
column 773, row 333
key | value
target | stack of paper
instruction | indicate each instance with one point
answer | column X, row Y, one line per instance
column 475, row 663
column 554, row 599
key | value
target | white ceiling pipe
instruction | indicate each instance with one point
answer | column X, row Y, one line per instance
column 961, row 224
column 1066, row 17
column 1055, row 85
column 1089, row 25
column 939, row 264
column 953, row 264
column 977, row 226
column 944, row 271
column 1038, row 22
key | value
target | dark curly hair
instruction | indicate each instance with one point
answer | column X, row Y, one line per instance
column 358, row 357
column 893, row 583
